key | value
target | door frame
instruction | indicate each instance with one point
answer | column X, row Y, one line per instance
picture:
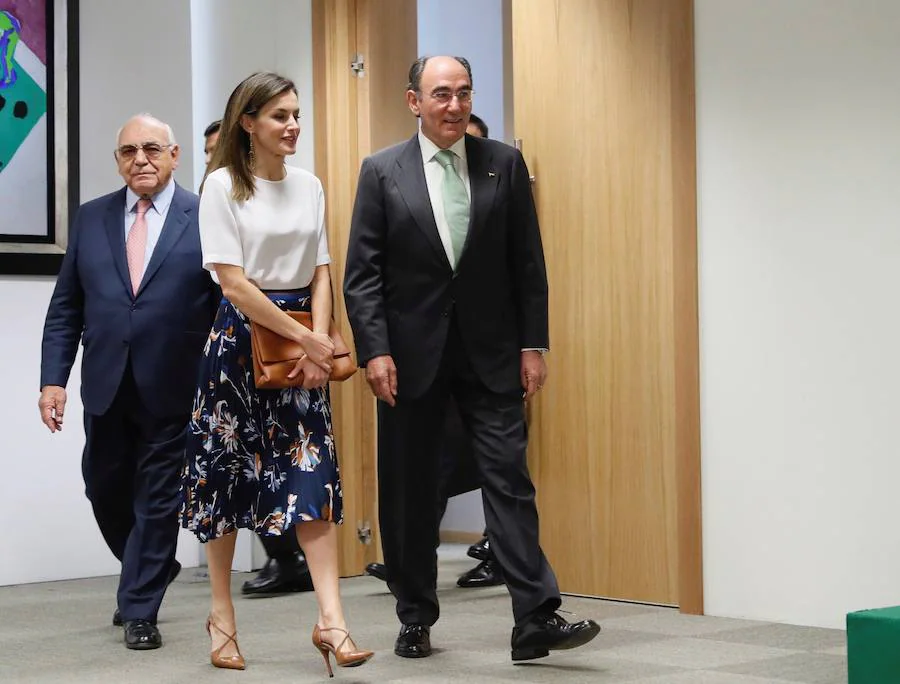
column 355, row 115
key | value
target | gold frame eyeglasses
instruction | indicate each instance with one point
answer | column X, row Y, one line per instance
column 151, row 150
column 445, row 97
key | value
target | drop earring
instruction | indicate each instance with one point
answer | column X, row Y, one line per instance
column 251, row 153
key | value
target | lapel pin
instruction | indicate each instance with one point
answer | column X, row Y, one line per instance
column 491, row 174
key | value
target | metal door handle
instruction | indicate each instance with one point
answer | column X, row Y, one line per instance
column 517, row 143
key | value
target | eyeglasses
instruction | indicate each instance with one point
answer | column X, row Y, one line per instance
column 444, row 97
column 151, row 150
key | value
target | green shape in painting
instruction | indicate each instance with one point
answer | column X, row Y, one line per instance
column 9, row 38
column 22, row 104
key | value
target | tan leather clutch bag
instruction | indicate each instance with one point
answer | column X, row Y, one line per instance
column 275, row 356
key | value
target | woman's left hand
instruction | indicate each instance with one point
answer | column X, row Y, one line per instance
column 313, row 375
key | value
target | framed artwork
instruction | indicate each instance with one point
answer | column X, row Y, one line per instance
column 38, row 132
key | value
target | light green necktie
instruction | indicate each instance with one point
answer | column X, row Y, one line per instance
column 456, row 203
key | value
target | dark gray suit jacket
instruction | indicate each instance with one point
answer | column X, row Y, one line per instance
column 401, row 291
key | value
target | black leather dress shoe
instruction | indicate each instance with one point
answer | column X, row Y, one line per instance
column 481, row 551
column 141, row 635
column 545, row 632
column 173, row 573
column 377, row 570
column 277, row 578
column 485, row 574
column 414, row 641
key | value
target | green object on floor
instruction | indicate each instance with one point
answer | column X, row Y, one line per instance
column 873, row 646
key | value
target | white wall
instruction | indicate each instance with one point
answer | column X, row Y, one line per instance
column 472, row 29
column 50, row 531
column 127, row 66
column 124, row 70
column 231, row 39
column 135, row 57
column 799, row 170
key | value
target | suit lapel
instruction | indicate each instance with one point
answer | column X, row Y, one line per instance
column 114, row 223
column 176, row 221
column 414, row 189
column 483, row 181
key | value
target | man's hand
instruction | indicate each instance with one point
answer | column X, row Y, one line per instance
column 533, row 372
column 381, row 374
column 52, row 405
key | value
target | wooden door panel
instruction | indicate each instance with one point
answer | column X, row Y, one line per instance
column 601, row 102
column 355, row 116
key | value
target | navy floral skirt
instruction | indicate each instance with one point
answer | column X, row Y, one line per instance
column 261, row 459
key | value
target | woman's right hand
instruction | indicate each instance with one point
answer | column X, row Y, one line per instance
column 320, row 349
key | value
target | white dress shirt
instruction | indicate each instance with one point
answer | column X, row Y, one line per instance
column 155, row 216
column 434, row 179
column 277, row 236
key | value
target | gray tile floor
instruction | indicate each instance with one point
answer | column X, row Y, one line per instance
column 60, row 632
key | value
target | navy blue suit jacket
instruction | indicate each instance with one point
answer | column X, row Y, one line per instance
column 163, row 328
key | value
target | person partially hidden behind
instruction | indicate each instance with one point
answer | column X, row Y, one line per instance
column 211, row 139
column 458, row 472
column 133, row 289
column 487, row 573
column 446, row 290
column 285, row 569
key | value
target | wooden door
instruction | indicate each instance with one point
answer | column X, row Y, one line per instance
column 357, row 114
column 603, row 102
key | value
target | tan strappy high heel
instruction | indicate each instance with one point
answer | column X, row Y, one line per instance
column 353, row 658
column 233, row 662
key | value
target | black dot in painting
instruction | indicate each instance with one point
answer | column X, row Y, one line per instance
column 20, row 109
column 2, row 103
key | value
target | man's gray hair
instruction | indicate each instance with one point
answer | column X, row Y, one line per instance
column 149, row 117
column 415, row 72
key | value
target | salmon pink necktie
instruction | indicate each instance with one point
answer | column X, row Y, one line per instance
column 136, row 244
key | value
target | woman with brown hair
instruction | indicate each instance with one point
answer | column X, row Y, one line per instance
column 265, row 459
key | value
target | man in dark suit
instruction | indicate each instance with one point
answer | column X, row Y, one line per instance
column 446, row 290
column 458, row 472
column 132, row 288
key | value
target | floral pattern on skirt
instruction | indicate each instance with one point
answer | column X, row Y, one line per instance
column 261, row 459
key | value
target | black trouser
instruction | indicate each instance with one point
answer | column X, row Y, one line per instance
column 458, row 471
column 132, row 466
column 409, row 466
column 283, row 547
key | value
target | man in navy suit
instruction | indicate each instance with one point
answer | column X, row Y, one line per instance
column 132, row 288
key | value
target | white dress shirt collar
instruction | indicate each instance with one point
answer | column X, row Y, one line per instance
column 160, row 200
column 429, row 149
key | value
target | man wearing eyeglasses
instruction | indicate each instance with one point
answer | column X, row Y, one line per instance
column 133, row 289
column 446, row 290
column 458, row 473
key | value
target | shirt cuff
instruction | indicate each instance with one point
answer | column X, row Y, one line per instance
column 542, row 350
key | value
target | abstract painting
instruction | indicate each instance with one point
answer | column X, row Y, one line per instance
column 38, row 124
